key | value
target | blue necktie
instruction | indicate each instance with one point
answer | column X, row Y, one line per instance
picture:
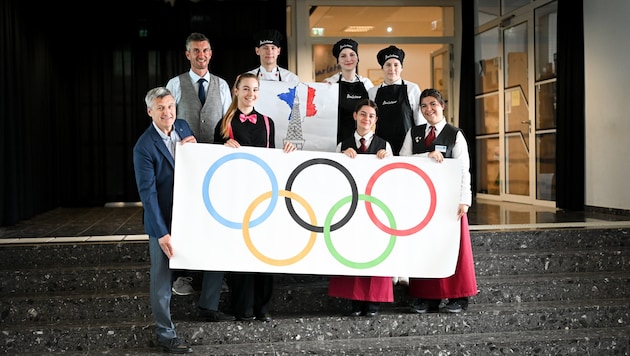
column 202, row 91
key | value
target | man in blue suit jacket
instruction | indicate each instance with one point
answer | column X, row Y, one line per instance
column 154, row 165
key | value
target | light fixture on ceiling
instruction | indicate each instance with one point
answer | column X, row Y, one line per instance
column 317, row 31
column 358, row 28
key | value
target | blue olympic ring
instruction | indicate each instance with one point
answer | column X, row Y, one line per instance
column 206, row 192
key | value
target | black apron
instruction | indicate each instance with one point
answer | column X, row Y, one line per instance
column 349, row 95
column 395, row 116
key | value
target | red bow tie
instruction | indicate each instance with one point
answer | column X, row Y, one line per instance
column 251, row 118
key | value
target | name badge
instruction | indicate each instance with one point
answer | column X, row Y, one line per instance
column 440, row 148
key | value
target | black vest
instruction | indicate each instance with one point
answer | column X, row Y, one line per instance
column 376, row 144
column 445, row 138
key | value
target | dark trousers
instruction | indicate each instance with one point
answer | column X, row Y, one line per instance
column 364, row 306
column 251, row 293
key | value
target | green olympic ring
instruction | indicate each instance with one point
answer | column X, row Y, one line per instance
column 333, row 250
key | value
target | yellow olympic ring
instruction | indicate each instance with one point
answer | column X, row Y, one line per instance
column 254, row 250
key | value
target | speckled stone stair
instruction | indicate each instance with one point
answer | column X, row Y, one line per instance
column 295, row 299
column 540, row 292
column 591, row 341
column 489, row 320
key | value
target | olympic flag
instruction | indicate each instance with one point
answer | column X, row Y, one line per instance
column 306, row 212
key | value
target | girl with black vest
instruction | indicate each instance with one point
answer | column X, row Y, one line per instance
column 242, row 125
column 439, row 140
column 365, row 292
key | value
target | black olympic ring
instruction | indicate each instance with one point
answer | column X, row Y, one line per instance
column 353, row 187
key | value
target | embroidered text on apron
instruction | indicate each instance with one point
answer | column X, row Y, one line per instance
column 349, row 95
column 395, row 116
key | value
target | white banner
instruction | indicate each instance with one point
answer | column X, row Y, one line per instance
column 305, row 212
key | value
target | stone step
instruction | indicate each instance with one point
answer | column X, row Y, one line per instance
column 603, row 341
column 550, row 239
column 311, row 297
column 132, row 276
column 561, row 291
column 18, row 256
column 15, row 255
column 560, row 286
column 490, row 320
column 551, row 261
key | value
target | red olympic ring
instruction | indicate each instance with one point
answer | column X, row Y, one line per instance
column 427, row 218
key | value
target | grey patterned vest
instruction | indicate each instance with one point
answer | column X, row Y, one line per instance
column 202, row 120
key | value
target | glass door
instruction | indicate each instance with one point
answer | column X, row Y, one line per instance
column 517, row 122
column 442, row 77
column 515, row 52
column 488, row 124
column 506, row 116
column 545, row 89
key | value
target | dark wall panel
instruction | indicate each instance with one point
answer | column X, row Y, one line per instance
column 72, row 88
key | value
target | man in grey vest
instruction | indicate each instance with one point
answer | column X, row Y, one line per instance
column 202, row 99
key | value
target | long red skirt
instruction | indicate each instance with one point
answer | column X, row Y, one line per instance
column 461, row 284
column 372, row 289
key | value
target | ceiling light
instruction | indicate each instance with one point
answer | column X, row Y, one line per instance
column 358, row 28
column 317, row 31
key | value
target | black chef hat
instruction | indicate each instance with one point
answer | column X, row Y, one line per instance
column 345, row 43
column 264, row 37
column 390, row 52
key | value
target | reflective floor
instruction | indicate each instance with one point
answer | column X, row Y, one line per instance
column 123, row 221
column 487, row 214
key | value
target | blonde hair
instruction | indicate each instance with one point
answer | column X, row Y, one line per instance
column 227, row 118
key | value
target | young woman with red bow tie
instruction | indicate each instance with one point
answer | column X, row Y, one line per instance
column 242, row 125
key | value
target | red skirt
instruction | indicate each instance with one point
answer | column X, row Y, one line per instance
column 372, row 289
column 461, row 284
